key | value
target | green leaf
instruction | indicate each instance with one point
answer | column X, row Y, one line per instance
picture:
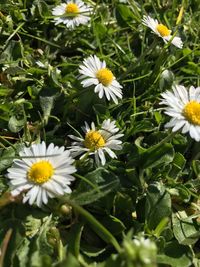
column 142, row 126
column 185, row 229
column 42, row 242
column 176, row 255
column 7, row 156
column 91, row 251
column 113, row 224
column 100, row 30
column 97, row 227
column 103, row 183
column 124, row 14
column 158, row 204
column 74, row 238
column 40, row 260
column 177, row 165
column 22, row 253
column 157, row 155
column 47, row 103
column 196, row 167
column 70, row 261
column 15, row 125
column 5, row 91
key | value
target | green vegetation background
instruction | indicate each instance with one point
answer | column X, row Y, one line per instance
column 152, row 189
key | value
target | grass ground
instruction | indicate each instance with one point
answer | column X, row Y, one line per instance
column 140, row 209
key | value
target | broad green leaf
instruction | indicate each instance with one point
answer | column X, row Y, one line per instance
column 103, row 183
column 16, row 125
column 145, row 126
column 157, row 155
column 186, row 230
column 176, row 255
column 158, row 204
column 124, row 14
column 177, row 165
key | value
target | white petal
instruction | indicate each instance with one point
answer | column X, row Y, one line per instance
column 102, row 156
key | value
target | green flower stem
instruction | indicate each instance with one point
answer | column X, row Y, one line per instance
column 39, row 38
column 4, row 246
column 100, row 230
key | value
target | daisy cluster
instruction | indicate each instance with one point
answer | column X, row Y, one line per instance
column 47, row 171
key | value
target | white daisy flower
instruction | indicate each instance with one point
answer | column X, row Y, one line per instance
column 97, row 142
column 162, row 31
column 94, row 72
column 72, row 13
column 184, row 107
column 42, row 173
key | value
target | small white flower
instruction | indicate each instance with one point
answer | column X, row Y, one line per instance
column 97, row 142
column 72, row 13
column 42, row 173
column 94, row 72
column 48, row 66
column 162, row 31
column 184, row 107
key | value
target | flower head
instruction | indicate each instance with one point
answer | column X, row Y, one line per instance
column 72, row 13
column 139, row 251
column 98, row 141
column 42, row 173
column 162, row 31
column 94, row 72
column 184, row 107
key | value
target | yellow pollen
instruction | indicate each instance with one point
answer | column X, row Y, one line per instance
column 105, row 76
column 191, row 112
column 163, row 30
column 94, row 140
column 40, row 172
column 72, row 9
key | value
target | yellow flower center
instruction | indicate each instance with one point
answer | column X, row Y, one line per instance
column 105, row 76
column 94, row 140
column 163, row 30
column 72, row 9
column 40, row 172
column 191, row 112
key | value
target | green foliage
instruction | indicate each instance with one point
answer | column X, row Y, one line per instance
column 141, row 209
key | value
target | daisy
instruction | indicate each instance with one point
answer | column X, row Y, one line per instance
column 97, row 142
column 162, row 31
column 184, row 107
column 72, row 13
column 94, row 72
column 41, row 173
